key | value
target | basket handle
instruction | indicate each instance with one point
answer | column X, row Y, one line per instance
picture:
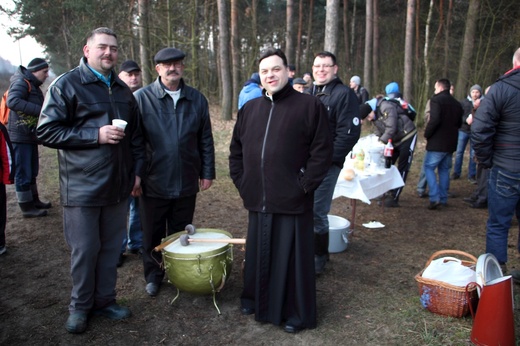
column 450, row 252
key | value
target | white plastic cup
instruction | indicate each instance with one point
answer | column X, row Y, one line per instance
column 119, row 123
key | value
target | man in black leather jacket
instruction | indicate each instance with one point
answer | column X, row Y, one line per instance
column 181, row 157
column 100, row 165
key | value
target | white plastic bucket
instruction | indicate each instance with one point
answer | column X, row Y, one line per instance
column 339, row 229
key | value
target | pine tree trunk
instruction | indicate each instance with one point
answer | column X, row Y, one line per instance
column 225, row 69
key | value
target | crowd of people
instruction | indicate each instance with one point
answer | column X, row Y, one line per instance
column 124, row 189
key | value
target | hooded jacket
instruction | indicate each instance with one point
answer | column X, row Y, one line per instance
column 78, row 103
column 496, row 124
column 251, row 90
column 280, row 152
column 23, row 104
column 179, row 141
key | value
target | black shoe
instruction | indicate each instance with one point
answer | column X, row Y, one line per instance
column 121, row 260
column 422, row 194
column 434, row 205
column 472, row 181
column 455, row 176
column 42, row 205
column 319, row 263
column 391, row 203
column 469, row 200
column 114, row 312
column 77, row 322
column 247, row 311
column 516, row 275
column 152, row 289
column 476, row 205
column 292, row 329
column 136, row 251
column 452, row 195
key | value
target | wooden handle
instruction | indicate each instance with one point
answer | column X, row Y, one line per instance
column 451, row 252
column 219, row 240
column 163, row 245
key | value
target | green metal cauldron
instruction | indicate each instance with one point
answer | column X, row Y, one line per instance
column 200, row 268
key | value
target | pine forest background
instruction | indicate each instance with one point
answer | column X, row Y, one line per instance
column 412, row 42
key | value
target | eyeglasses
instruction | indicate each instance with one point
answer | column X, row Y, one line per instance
column 322, row 66
column 169, row 64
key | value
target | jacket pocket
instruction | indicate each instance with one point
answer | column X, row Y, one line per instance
column 96, row 165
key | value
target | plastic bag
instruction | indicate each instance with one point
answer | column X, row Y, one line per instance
column 449, row 270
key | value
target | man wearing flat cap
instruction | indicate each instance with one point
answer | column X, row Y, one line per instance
column 25, row 101
column 299, row 84
column 181, row 157
column 130, row 73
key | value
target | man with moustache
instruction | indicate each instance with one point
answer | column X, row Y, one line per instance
column 181, row 157
column 280, row 151
column 100, row 165
column 345, row 127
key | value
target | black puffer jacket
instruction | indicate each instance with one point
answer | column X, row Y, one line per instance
column 20, row 100
column 496, row 124
column 392, row 122
column 343, row 111
column 76, row 106
column 179, row 141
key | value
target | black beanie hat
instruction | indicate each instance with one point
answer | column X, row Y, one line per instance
column 364, row 110
column 37, row 64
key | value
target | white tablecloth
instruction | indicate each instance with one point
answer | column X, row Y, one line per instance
column 367, row 187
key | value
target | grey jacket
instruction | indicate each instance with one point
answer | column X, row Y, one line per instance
column 392, row 122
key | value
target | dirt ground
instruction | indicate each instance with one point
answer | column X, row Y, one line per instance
column 367, row 296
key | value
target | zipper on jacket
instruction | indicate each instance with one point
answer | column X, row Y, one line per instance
column 262, row 157
column 115, row 112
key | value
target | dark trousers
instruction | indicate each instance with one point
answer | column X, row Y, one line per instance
column 94, row 237
column 27, row 165
column 481, row 192
column 154, row 214
column 3, row 213
column 403, row 153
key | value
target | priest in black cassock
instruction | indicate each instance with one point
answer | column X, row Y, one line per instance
column 280, row 151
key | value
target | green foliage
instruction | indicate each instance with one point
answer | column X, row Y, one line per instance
column 192, row 25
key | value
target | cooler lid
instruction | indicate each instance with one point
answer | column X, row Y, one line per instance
column 487, row 270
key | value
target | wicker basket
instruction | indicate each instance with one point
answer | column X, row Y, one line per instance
column 445, row 299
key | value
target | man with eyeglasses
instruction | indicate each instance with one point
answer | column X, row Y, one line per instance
column 343, row 113
column 180, row 157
